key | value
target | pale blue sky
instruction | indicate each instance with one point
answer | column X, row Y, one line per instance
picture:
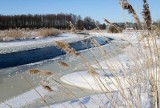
column 97, row 9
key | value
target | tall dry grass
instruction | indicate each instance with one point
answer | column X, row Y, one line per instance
column 47, row 32
column 143, row 75
column 14, row 34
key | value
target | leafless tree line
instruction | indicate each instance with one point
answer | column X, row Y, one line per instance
column 59, row 21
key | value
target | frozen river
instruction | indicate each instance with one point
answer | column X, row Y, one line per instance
column 12, row 83
column 35, row 55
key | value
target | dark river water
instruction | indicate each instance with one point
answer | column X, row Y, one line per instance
column 31, row 56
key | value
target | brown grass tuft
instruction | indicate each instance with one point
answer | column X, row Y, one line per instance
column 34, row 71
column 63, row 64
column 46, row 73
column 48, row 88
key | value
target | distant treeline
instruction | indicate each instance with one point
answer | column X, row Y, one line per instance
column 59, row 21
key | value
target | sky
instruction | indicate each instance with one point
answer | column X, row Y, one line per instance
column 97, row 9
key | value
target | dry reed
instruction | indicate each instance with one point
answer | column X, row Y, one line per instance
column 115, row 28
column 125, row 5
column 142, row 77
column 147, row 15
column 73, row 29
column 66, row 47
